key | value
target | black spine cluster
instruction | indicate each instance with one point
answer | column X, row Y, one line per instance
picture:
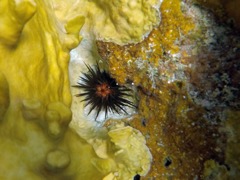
column 101, row 92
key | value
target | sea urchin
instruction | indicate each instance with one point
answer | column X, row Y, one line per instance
column 102, row 92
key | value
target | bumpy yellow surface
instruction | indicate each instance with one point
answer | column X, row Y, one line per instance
column 35, row 140
column 119, row 21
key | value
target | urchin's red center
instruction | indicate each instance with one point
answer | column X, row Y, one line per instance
column 103, row 90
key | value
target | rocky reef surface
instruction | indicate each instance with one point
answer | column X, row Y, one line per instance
column 36, row 140
column 179, row 57
column 186, row 75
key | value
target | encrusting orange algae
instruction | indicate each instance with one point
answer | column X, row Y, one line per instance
column 179, row 137
column 123, row 59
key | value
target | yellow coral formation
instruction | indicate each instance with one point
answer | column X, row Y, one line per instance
column 120, row 148
column 119, row 21
column 52, row 47
column 35, row 99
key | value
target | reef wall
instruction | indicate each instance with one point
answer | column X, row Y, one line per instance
column 181, row 58
column 186, row 74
